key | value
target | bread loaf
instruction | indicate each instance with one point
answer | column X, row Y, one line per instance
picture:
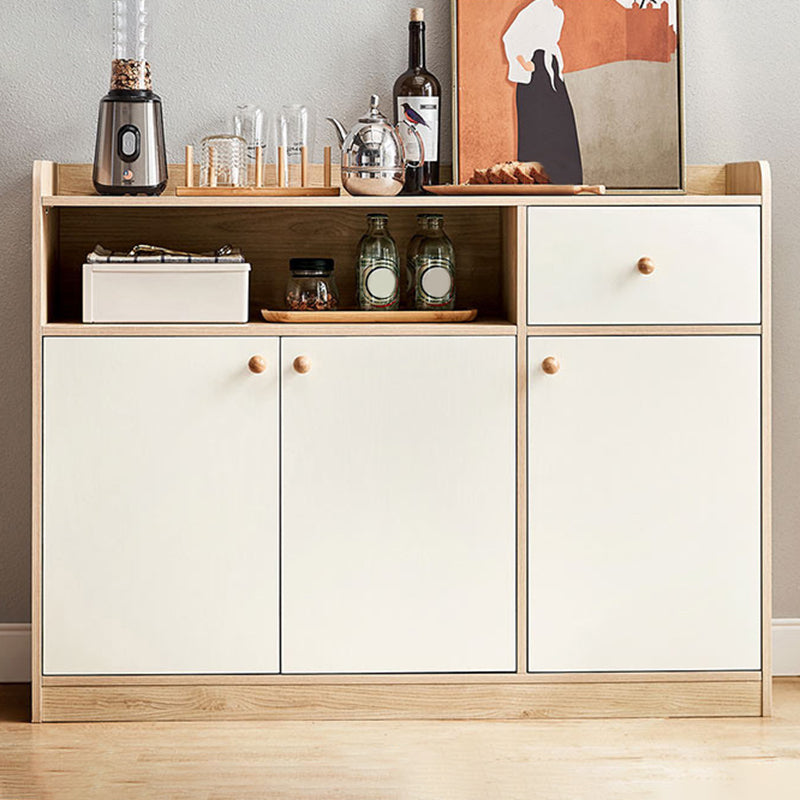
column 510, row 172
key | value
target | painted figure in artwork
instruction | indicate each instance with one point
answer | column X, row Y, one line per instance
column 545, row 118
column 565, row 82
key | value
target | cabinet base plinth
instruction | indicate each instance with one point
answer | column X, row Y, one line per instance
column 438, row 701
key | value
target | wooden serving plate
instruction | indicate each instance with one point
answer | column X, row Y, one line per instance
column 295, row 317
column 543, row 189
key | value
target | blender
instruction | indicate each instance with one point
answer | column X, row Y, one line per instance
column 130, row 154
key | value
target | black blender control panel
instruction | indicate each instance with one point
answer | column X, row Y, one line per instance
column 129, row 142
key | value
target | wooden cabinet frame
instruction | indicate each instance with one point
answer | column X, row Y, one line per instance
column 59, row 190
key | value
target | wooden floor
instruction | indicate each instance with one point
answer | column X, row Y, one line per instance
column 730, row 759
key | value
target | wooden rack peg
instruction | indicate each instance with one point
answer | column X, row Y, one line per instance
column 282, row 167
column 304, row 166
column 212, row 166
column 327, row 179
column 259, row 167
column 189, row 165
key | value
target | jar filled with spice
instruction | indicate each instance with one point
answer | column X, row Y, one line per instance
column 312, row 286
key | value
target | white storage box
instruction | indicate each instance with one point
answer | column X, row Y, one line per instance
column 177, row 292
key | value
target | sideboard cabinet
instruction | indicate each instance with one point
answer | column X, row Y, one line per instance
column 559, row 510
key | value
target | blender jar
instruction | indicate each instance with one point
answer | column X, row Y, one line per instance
column 130, row 70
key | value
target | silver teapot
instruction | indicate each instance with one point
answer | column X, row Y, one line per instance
column 373, row 155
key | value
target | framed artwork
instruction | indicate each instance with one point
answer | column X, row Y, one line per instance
column 591, row 89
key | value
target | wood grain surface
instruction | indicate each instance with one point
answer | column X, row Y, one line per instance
column 74, row 181
column 269, row 240
column 548, row 760
column 515, row 190
column 396, row 702
column 372, row 317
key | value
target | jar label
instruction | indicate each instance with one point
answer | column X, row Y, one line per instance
column 421, row 113
column 379, row 284
column 435, row 284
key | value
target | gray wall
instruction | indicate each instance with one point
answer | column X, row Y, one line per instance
column 742, row 78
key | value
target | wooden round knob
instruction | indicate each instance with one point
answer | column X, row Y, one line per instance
column 646, row 266
column 257, row 365
column 302, row 365
column 551, row 365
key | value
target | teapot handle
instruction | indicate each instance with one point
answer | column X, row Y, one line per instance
column 421, row 162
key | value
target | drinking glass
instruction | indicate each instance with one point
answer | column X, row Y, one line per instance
column 249, row 122
column 224, row 161
column 295, row 130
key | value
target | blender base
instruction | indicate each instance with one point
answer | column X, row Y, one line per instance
column 130, row 153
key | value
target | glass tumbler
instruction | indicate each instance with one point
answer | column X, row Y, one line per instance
column 224, row 161
column 294, row 135
column 249, row 123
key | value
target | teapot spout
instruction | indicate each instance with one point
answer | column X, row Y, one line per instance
column 341, row 131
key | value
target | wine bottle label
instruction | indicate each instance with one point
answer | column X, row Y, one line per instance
column 421, row 113
column 435, row 282
column 379, row 283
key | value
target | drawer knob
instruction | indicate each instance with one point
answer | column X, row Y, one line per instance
column 646, row 266
column 257, row 365
column 551, row 365
column 302, row 365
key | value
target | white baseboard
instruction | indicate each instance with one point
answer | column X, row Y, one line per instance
column 15, row 653
column 786, row 647
column 15, row 650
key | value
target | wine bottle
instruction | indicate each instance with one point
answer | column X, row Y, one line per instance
column 417, row 100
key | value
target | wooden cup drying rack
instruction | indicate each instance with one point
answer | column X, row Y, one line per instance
column 259, row 190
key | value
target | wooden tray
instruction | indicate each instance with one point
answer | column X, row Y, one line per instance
column 544, row 189
column 369, row 316
column 251, row 191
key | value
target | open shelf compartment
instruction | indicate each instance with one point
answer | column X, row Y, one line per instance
column 484, row 240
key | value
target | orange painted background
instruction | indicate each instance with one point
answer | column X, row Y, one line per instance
column 596, row 32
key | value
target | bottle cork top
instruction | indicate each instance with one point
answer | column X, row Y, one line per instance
column 417, row 14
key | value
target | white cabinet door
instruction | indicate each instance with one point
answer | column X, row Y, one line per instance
column 160, row 506
column 398, row 537
column 645, row 504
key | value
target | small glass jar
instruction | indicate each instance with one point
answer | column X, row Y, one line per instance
column 312, row 286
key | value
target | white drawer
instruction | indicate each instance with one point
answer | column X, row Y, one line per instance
column 583, row 265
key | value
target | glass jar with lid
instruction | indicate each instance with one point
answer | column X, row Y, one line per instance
column 312, row 285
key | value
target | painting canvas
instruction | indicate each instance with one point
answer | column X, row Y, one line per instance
column 589, row 88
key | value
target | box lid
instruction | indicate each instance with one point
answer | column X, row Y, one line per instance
column 143, row 267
